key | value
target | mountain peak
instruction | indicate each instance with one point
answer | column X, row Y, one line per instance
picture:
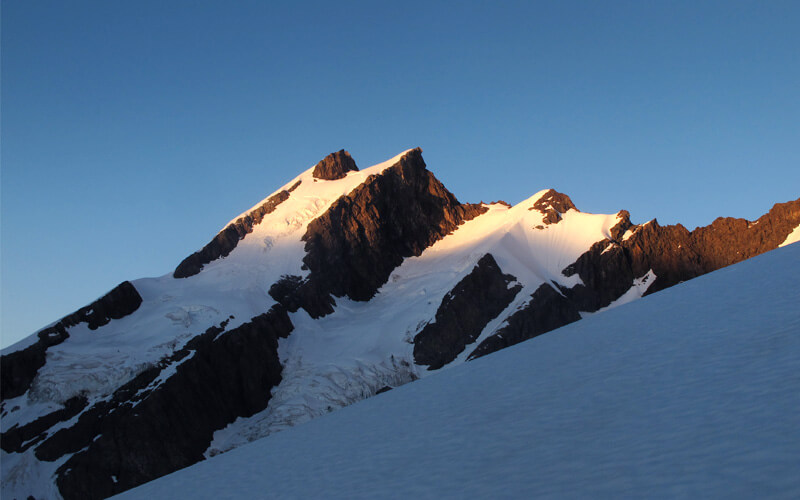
column 552, row 204
column 335, row 166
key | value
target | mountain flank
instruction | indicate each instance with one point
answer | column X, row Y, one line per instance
column 342, row 284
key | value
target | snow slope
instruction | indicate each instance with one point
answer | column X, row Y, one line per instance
column 692, row 392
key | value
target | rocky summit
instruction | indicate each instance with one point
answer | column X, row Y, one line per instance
column 341, row 284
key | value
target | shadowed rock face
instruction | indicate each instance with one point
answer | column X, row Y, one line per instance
column 227, row 239
column 547, row 310
column 673, row 253
column 353, row 247
column 143, row 432
column 18, row 369
column 294, row 292
column 334, row 166
column 608, row 269
column 18, row 439
column 477, row 299
column 676, row 254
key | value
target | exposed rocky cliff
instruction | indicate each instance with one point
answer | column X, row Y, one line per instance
column 552, row 204
column 547, row 310
column 477, row 299
column 335, row 166
column 673, row 253
column 352, row 248
column 152, row 427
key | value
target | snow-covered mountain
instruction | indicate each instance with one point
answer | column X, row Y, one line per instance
column 340, row 285
column 689, row 393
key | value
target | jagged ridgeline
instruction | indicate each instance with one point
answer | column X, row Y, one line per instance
column 341, row 284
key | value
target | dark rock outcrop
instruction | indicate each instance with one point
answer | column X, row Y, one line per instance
column 353, row 247
column 620, row 228
column 334, row 166
column 294, row 292
column 606, row 273
column 552, row 204
column 144, row 432
column 676, row 254
column 20, row 438
column 477, row 299
column 547, row 310
column 227, row 239
column 18, row 369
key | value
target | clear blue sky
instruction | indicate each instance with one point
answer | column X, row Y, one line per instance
column 133, row 131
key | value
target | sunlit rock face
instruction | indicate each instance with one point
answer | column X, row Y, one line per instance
column 335, row 166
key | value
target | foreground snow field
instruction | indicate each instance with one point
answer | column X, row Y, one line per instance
column 693, row 392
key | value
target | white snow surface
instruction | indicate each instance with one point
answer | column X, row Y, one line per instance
column 793, row 237
column 693, row 392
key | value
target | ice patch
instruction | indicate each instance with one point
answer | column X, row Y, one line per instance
column 307, row 392
column 793, row 237
column 186, row 315
column 24, row 476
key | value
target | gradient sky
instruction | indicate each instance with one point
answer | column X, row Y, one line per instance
column 133, row 131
